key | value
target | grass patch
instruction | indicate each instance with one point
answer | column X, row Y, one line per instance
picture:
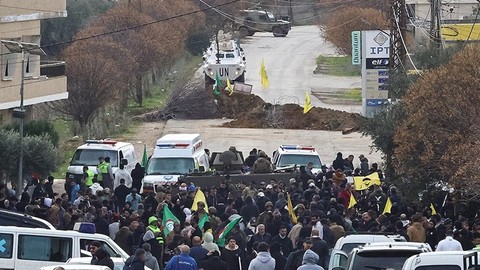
column 354, row 94
column 66, row 146
column 159, row 93
column 336, row 66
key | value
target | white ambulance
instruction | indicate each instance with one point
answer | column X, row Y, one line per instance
column 290, row 155
column 175, row 155
column 88, row 154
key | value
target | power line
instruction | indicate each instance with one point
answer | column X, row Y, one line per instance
column 404, row 45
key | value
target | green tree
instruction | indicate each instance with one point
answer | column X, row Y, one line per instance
column 40, row 155
column 37, row 127
column 63, row 29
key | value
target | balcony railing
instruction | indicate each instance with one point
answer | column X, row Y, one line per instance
column 52, row 68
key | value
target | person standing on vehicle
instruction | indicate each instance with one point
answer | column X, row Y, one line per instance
column 262, row 164
column 227, row 158
column 182, row 261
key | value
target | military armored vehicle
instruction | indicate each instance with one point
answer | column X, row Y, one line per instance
column 248, row 22
column 225, row 58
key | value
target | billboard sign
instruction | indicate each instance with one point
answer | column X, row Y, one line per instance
column 376, row 52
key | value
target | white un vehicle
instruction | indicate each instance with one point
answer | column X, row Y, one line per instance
column 227, row 61
column 288, row 156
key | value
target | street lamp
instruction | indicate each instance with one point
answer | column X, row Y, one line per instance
column 24, row 48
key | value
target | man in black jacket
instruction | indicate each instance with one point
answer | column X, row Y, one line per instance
column 285, row 242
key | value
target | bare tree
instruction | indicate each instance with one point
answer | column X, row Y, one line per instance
column 95, row 79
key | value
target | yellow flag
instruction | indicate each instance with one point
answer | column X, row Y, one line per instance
column 291, row 213
column 264, row 76
column 308, row 104
column 388, row 207
column 362, row 183
column 353, row 202
column 434, row 211
column 229, row 88
column 199, row 197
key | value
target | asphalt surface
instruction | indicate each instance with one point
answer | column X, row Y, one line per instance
column 290, row 62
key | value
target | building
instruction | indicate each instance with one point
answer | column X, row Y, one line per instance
column 457, row 19
column 44, row 82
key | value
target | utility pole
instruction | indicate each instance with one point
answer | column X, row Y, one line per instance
column 22, row 48
column 435, row 23
column 398, row 25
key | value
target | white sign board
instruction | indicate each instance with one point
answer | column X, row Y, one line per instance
column 376, row 52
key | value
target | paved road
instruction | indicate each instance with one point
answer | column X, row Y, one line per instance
column 290, row 63
column 327, row 143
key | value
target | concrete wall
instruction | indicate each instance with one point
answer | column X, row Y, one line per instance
column 20, row 21
column 31, row 9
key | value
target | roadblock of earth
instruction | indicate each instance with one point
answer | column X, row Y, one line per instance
column 250, row 111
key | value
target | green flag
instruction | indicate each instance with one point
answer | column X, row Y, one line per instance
column 222, row 235
column 202, row 221
column 144, row 158
column 217, row 86
column 169, row 220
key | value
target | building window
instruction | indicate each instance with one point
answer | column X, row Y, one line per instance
column 8, row 62
column 32, row 62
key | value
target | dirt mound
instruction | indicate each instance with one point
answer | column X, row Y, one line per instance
column 250, row 111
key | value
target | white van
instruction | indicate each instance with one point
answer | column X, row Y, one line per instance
column 443, row 260
column 175, row 155
column 88, row 154
column 33, row 248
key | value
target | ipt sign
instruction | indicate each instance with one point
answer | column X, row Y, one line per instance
column 377, row 44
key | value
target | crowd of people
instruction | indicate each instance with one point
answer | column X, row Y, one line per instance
column 270, row 235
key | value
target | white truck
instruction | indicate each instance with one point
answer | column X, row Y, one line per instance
column 175, row 155
column 225, row 59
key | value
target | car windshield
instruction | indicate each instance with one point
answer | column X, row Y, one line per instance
column 89, row 157
column 300, row 160
column 347, row 248
column 161, row 166
column 382, row 259
column 271, row 17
